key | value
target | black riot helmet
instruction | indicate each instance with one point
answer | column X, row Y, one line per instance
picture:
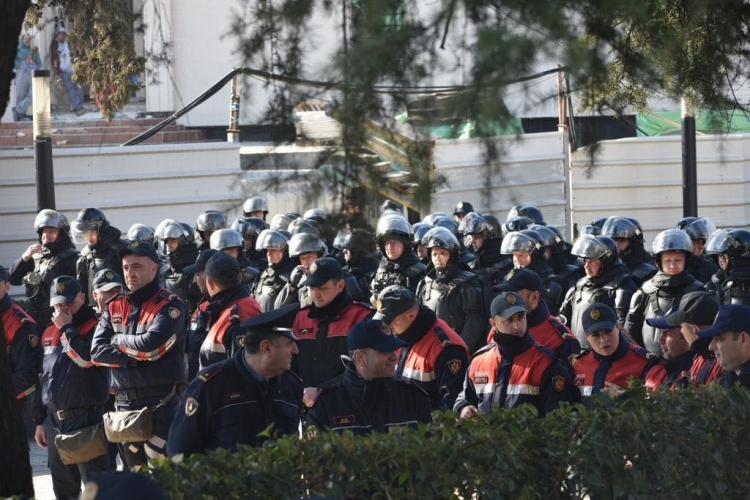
column 302, row 243
column 527, row 241
column 493, row 225
column 226, row 238
column 51, row 218
column 358, row 241
column 430, row 218
column 281, row 221
column 601, row 248
column 594, row 227
column 211, row 220
column 684, row 222
column 255, row 204
column 300, row 225
column 419, row 229
column 317, row 215
column 734, row 243
column 169, row 228
column 529, row 211
column 141, row 233
column 88, row 219
column 463, row 208
column 617, row 227
column 518, row 223
column 393, row 226
column 390, row 205
column 672, row 240
column 440, row 237
column 269, row 238
column 446, row 222
column 473, row 223
column 699, row 228
column 190, row 232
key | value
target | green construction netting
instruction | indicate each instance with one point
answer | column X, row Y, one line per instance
column 708, row 122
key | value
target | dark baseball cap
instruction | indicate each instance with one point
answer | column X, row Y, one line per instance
column 506, row 305
column 373, row 334
column 731, row 318
column 598, row 316
column 222, row 266
column 4, row 274
column 520, row 279
column 64, row 290
column 142, row 249
column 106, row 279
column 696, row 308
column 279, row 321
column 200, row 263
column 392, row 301
column 321, row 271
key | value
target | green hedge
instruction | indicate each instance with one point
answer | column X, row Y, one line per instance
column 693, row 443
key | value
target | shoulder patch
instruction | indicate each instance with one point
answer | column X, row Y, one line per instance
column 454, row 366
column 443, row 337
column 191, row 407
column 174, row 312
column 34, row 340
column 210, row 372
column 559, row 383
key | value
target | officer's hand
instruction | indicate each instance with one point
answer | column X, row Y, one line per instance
column 297, row 274
column 61, row 318
column 40, row 436
column 308, row 396
column 469, row 411
column 33, row 249
column 614, row 390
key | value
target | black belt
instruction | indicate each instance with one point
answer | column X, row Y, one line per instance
column 143, row 392
column 77, row 412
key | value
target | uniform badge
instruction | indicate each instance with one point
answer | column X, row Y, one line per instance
column 135, row 243
column 385, row 330
column 174, row 313
column 109, row 275
column 454, row 365
column 595, row 314
column 313, row 267
column 559, row 383
column 33, row 340
column 579, row 380
column 233, row 396
column 60, row 287
column 241, row 341
column 191, row 406
column 344, row 419
column 511, row 299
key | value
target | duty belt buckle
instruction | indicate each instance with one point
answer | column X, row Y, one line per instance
column 61, row 414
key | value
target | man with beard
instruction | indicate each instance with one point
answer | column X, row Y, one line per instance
column 607, row 281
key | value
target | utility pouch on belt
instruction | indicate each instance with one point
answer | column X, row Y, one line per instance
column 82, row 445
column 132, row 426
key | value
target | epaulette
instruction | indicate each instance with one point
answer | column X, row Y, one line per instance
column 642, row 351
column 165, row 294
column 443, row 337
column 290, row 372
column 210, row 372
column 234, row 313
column 23, row 316
column 561, row 329
column 483, row 349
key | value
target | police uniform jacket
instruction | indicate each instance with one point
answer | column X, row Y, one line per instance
column 22, row 339
column 626, row 363
column 730, row 379
column 656, row 298
column 225, row 336
column 322, row 335
column 549, row 332
column 436, row 358
column 705, row 369
column 227, row 405
column 141, row 336
column 406, row 271
column 671, row 373
column 70, row 380
column 614, row 286
column 272, row 280
column 517, row 372
column 456, row 297
column 350, row 403
column 197, row 331
column 103, row 255
column 57, row 259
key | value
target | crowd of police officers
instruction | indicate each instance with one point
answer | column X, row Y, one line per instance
column 219, row 330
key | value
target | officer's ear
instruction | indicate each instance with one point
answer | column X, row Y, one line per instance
column 492, row 322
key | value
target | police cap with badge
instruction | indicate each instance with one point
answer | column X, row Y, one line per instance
column 106, row 279
column 140, row 249
column 64, row 290
column 279, row 321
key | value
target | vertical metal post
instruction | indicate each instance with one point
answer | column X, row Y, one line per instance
column 233, row 132
column 44, row 173
column 689, row 163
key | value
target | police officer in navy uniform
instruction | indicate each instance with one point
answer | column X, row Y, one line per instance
column 514, row 369
column 74, row 390
column 54, row 255
column 366, row 397
column 231, row 303
column 232, row 402
column 201, row 317
column 141, row 337
column 22, row 338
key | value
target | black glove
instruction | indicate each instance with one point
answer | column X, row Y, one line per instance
column 297, row 274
